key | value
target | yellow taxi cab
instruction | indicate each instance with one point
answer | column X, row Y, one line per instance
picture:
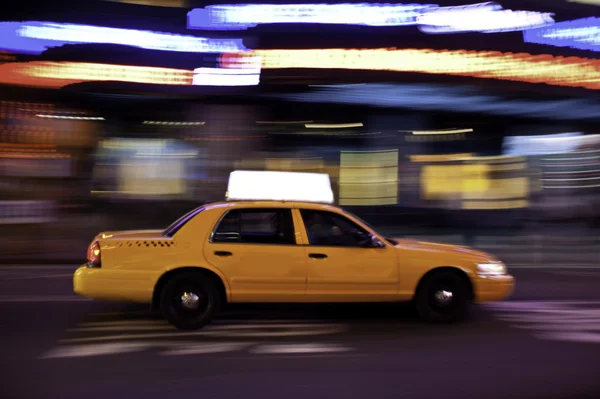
column 260, row 246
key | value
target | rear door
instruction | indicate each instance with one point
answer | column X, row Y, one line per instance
column 256, row 250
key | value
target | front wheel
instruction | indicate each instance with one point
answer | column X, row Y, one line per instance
column 443, row 298
column 189, row 301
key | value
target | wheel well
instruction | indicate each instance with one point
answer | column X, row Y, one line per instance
column 450, row 269
column 162, row 281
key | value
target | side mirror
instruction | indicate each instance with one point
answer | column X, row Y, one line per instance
column 375, row 242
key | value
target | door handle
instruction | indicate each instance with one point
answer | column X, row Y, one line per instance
column 317, row 256
column 223, row 253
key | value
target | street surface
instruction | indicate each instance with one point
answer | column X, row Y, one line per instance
column 543, row 343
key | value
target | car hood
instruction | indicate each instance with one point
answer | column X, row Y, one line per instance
column 447, row 249
column 132, row 235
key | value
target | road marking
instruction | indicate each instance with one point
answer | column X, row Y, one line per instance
column 178, row 349
column 299, row 348
column 230, row 331
column 572, row 321
column 94, row 350
column 42, row 298
column 202, row 349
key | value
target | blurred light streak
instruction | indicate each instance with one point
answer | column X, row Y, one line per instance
column 59, row 74
column 330, row 133
column 283, row 122
column 35, row 37
column 35, row 156
column 240, row 60
column 592, row 2
column 155, row 3
column 27, row 211
column 570, row 159
column 565, row 187
column 493, row 158
column 514, row 204
column 522, row 67
column 435, row 137
column 573, row 179
column 481, row 17
column 572, row 164
column 582, row 34
column 332, row 125
column 84, row 118
column 557, row 143
column 446, row 97
column 440, row 158
column 244, row 16
column 442, row 131
column 223, row 138
column 508, row 167
column 173, row 123
column 226, row 77
column 574, row 172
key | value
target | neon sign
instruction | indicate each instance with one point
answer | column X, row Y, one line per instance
column 522, row 67
column 243, row 16
column 582, row 34
column 58, row 74
column 35, row 37
column 431, row 18
column 484, row 18
column 226, row 77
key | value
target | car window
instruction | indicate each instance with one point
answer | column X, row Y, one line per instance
column 179, row 223
column 331, row 229
column 256, row 226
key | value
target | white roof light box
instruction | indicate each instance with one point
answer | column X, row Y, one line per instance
column 279, row 186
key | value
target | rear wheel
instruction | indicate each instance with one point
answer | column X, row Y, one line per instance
column 443, row 297
column 190, row 301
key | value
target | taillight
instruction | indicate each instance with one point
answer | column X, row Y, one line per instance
column 93, row 254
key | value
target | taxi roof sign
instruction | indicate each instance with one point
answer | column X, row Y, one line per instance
column 247, row 185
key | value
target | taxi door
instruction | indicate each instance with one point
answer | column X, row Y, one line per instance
column 256, row 250
column 343, row 264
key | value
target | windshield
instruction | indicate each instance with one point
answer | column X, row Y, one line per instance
column 361, row 221
column 179, row 223
column 389, row 240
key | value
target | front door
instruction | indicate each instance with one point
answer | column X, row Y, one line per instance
column 342, row 266
column 256, row 250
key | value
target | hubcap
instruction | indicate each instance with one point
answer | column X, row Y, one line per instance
column 443, row 297
column 190, row 300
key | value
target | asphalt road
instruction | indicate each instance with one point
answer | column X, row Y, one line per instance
column 544, row 343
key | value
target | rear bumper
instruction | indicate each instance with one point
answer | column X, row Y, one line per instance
column 112, row 285
column 493, row 288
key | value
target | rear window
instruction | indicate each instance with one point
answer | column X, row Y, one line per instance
column 179, row 223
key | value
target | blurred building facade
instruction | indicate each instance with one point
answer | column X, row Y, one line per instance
column 88, row 142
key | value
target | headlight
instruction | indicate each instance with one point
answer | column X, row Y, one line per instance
column 491, row 269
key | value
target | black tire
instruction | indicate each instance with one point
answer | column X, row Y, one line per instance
column 432, row 308
column 190, row 285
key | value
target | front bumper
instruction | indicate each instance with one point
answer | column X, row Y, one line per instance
column 493, row 288
column 112, row 285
